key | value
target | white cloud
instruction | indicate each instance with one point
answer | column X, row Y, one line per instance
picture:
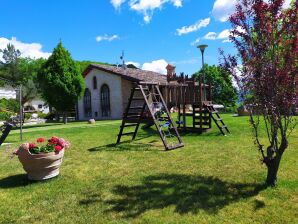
column 117, row 3
column 210, row 36
column 156, row 66
column 194, row 43
column 224, row 34
column 222, row 9
column 195, row 27
column 133, row 63
column 147, row 7
column 31, row 50
column 107, row 38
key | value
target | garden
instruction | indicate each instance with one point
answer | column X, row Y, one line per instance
column 213, row 179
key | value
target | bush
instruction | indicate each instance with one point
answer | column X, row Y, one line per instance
column 5, row 116
column 50, row 116
column 232, row 109
column 10, row 104
column 42, row 115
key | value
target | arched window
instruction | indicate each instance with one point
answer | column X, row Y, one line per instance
column 87, row 103
column 105, row 101
column 94, row 82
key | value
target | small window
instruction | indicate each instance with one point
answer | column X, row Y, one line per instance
column 96, row 114
column 87, row 103
column 94, row 83
column 40, row 106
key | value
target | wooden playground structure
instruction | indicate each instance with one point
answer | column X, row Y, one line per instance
column 151, row 103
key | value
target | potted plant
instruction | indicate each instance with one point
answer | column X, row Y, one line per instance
column 42, row 161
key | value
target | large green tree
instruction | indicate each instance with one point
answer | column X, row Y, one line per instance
column 60, row 80
column 223, row 91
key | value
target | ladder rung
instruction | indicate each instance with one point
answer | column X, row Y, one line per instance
column 129, row 125
column 128, row 133
column 133, row 114
column 219, row 119
column 138, row 98
column 136, row 108
column 214, row 112
column 225, row 126
column 131, row 120
column 139, row 89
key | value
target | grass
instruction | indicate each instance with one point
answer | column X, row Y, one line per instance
column 213, row 179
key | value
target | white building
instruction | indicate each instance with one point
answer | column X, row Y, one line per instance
column 7, row 93
column 108, row 89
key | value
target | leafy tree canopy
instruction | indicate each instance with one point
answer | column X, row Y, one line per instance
column 20, row 71
column 60, row 80
column 223, row 91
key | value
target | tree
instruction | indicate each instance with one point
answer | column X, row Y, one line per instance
column 266, row 38
column 223, row 91
column 61, row 81
column 10, row 65
column 20, row 71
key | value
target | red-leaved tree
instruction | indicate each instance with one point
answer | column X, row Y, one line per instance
column 266, row 38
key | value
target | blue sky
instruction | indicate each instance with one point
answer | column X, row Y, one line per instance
column 151, row 32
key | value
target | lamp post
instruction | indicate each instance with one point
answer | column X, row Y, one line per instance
column 202, row 48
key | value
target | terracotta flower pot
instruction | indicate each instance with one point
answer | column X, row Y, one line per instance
column 40, row 166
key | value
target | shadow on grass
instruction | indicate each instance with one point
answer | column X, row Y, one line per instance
column 19, row 180
column 186, row 193
column 124, row 146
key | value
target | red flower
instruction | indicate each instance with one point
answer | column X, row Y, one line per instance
column 54, row 141
column 58, row 148
column 32, row 146
column 40, row 140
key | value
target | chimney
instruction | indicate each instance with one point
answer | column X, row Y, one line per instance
column 171, row 73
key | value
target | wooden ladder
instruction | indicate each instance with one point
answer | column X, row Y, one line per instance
column 216, row 118
column 149, row 98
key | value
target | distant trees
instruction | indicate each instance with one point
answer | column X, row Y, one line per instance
column 265, row 36
column 61, row 81
column 20, row 71
column 223, row 91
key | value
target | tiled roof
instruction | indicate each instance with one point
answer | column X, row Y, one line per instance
column 129, row 73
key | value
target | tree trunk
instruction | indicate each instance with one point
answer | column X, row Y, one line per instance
column 272, row 168
column 65, row 118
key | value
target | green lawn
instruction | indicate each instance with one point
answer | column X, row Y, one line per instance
column 213, row 179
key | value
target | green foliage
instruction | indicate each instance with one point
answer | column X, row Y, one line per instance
column 10, row 105
column 60, row 80
column 10, row 67
column 223, row 91
column 84, row 64
column 5, row 116
column 20, row 71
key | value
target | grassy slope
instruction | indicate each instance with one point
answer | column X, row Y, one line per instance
column 214, row 179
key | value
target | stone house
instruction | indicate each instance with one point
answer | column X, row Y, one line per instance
column 108, row 89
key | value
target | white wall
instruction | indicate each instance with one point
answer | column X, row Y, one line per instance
column 115, row 86
column 7, row 93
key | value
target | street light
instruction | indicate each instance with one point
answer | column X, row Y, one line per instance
column 202, row 48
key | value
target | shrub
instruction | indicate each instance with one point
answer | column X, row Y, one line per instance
column 5, row 116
